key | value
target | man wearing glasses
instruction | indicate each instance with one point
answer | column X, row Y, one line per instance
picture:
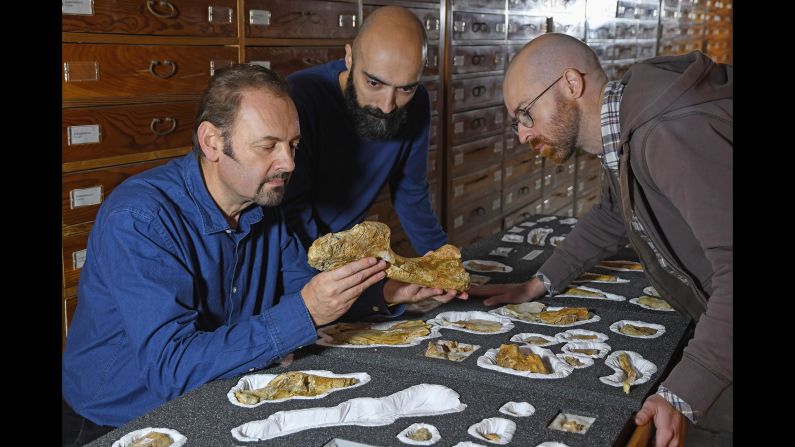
column 664, row 135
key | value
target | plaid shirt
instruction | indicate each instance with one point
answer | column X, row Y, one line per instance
column 611, row 132
column 678, row 403
column 611, row 128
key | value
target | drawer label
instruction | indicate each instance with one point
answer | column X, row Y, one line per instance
column 458, row 221
column 459, row 159
column 459, row 189
column 85, row 197
column 88, row 134
column 78, row 259
column 78, row 7
column 266, row 64
column 259, row 17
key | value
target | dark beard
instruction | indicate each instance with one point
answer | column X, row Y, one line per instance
column 371, row 122
column 562, row 143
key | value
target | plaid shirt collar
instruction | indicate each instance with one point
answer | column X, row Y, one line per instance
column 611, row 128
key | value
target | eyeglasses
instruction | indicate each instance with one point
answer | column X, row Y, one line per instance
column 523, row 114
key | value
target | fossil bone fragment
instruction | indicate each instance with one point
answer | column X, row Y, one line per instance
column 441, row 268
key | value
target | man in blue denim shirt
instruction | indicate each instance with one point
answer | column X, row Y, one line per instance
column 191, row 275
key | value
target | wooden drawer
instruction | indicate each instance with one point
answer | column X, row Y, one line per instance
column 433, row 94
column 522, row 27
column 434, row 131
column 567, row 211
column 125, row 133
column 475, row 212
column 429, row 19
column 559, row 197
column 472, row 124
column 475, row 92
column 431, row 61
column 286, row 60
column 433, row 162
column 521, row 167
column 523, row 213
column 206, row 18
column 470, row 157
column 82, row 193
column 382, row 211
column 95, row 71
column 512, row 146
column 477, row 184
column 520, row 193
column 301, row 19
column 586, row 201
column 475, row 26
column 588, row 180
column 531, row 5
column 74, row 255
column 564, row 174
column 468, row 236
column 474, row 59
column 433, row 193
column 479, row 4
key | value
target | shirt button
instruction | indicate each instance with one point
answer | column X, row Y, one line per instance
column 250, row 369
column 228, row 231
column 376, row 308
column 234, row 289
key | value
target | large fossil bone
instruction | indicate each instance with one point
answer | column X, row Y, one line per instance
column 441, row 268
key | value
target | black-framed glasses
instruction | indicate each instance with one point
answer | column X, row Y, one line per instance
column 523, row 114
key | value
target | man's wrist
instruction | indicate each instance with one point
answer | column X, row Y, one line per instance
column 678, row 403
column 547, row 283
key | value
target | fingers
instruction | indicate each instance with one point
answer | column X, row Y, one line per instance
column 510, row 297
column 445, row 297
column 357, row 275
column 487, row 290
column 354, row 267
column 644, row 416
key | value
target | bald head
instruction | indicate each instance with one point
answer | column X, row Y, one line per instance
column 545, row 58
column 391, row 30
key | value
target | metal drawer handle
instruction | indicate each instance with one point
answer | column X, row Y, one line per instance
column 432, row 24
column 156, row 121
column 479, row 211
column 312, row 61
column 476, row 123
column 480, row 27
column 524, row 190
column 477, row 59
column 150, row 5
column 153, row 68
column 479, row 90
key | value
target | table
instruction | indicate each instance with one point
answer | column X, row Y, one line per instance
column 205, row 416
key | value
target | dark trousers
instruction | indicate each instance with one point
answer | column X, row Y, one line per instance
column 76, row 430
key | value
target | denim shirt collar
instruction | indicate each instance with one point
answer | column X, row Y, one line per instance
column 213, row 220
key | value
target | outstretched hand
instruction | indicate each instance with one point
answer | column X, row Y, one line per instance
column 397, row 292
column 509, row 293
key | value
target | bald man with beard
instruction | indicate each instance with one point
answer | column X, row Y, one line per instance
column 664, row 136
column 365, row 124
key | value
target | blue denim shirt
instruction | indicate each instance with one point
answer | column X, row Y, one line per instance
column 171, row 297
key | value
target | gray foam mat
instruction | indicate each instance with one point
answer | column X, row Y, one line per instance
column 582, row 383
column 206, row 417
